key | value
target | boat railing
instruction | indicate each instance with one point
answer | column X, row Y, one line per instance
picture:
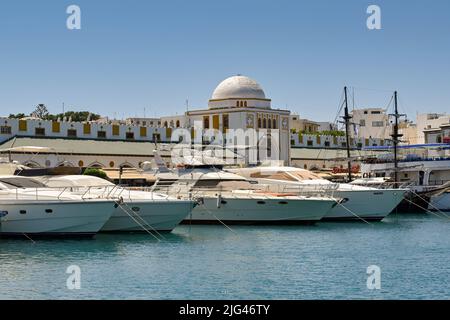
column 188, row 191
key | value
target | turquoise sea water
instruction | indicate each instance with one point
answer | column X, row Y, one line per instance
column 325, row 261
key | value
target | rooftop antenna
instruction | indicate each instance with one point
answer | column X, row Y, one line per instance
column 63, row 108
column 187, row 105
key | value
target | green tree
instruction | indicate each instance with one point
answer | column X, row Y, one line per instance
column 17, row 116
column 95, row 173
column 77, row 116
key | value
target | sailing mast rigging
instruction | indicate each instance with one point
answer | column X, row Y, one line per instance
column 347, row 118
column 396, row 137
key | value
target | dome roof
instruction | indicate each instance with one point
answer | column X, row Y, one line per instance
column 240, row 87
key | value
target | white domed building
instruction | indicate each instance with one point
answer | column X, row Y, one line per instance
column 240, row 102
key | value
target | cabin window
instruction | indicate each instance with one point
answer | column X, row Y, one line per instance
column 129, row 135
column 378, row 124
column 225, row 122
column 5, row 130
column 156, row 137
column 206, row 122
column 72, row 133
column 39, row 131
column 101, row 134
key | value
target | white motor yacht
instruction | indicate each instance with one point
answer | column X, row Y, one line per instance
column 134, row 210
column 358, row 202
column 29, row 209
column 229, row 198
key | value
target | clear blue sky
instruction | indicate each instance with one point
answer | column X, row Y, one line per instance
column 131, row 55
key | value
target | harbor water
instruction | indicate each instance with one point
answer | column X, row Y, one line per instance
column 325, row 261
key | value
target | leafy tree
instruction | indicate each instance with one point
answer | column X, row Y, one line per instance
column 95, row 173
column 17, row 116
column 77, row 116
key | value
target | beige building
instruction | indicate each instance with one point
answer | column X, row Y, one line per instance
column 370, row 123
column 298, row 124
column 428, row 123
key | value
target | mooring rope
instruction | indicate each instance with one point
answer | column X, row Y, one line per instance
column 357, row 216
column 142, row 220
column 430, row 204
column 141, row 225
column 223, row 223
column 426, row 210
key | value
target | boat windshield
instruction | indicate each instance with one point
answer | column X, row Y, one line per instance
column 21, row 183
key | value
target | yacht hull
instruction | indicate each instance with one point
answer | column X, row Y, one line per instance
column 441, row 202
column 133, row 216
column 370, row 205
column 258, row 211
column 53, row 218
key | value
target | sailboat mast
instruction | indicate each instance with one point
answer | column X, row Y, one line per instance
column 347, row 118
column 395, row 137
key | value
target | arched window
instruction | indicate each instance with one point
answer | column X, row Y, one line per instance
column 269, row 123
column 264, row 123
column 178, row 123
column 245, row 103
column 259, row 122
column 274, row 123
column 242, row 104
column 237, row 104
column 165, row 124
column 305, row 167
